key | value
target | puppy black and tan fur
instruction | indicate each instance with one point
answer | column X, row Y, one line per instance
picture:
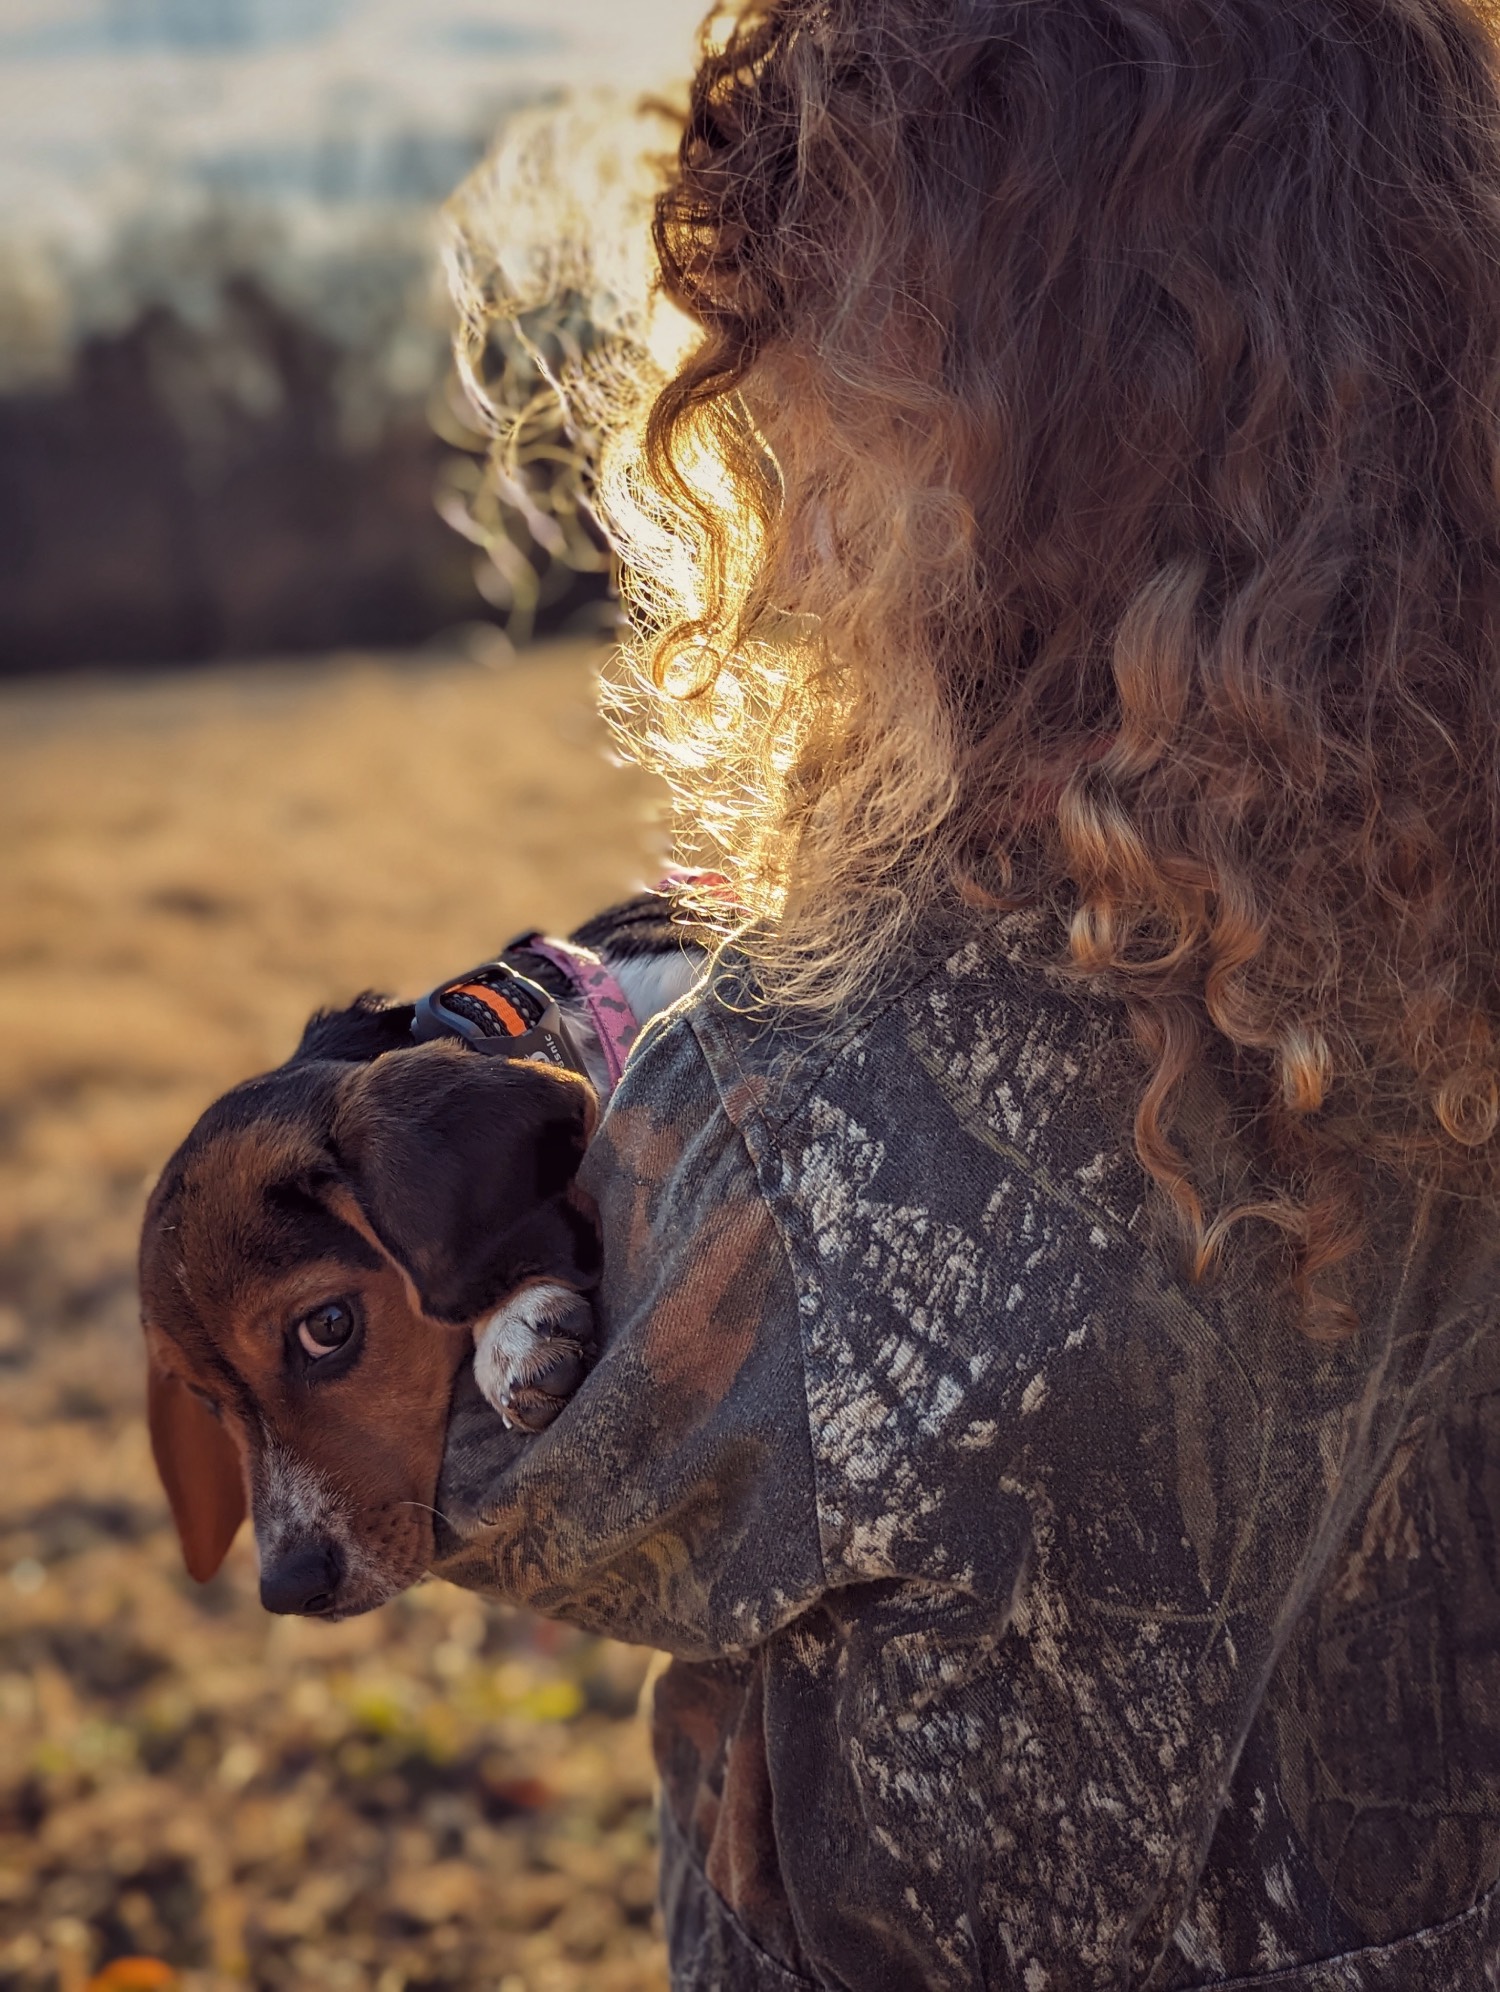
column 336, row 1239
column 315, row 1261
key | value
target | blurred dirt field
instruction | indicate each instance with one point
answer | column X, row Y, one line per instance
column 444, row 1794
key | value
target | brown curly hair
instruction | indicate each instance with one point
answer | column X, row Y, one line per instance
column 1081, row 491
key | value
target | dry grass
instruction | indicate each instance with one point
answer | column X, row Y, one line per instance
column 444, row 1794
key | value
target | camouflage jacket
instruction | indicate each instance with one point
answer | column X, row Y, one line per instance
column 1040, row 1620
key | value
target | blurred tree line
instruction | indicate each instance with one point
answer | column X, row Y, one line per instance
column 232, row 475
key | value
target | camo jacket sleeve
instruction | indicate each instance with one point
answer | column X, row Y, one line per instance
column 673, row 1501
column 1042, row 1619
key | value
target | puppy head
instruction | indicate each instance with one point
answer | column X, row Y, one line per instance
column 313, row 1260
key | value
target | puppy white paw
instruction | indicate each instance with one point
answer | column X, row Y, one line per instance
column 531, row 1354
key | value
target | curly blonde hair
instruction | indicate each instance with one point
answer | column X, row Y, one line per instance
column 1080, row 491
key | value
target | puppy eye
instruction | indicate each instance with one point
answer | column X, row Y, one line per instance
column 327, row 1328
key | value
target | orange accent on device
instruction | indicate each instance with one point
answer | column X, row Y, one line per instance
column 135, row 1974
column 515, row 1024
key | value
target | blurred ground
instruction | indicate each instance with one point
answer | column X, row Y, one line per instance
column 443, row 1794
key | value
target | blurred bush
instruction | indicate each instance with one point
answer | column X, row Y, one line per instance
column 240, row 479
column 223, row 338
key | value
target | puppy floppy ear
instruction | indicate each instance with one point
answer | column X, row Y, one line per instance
column 461, row 1162
column 199, row 1469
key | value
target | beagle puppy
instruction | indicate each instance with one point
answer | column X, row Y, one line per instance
column 335, row 1239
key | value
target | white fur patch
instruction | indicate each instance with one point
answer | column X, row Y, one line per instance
column 293, row 1503
column 655, row 982
column 517, row 1343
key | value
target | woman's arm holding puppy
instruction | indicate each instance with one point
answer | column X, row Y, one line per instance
column 672, row 1503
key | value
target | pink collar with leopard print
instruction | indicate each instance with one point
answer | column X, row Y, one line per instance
column 615, row 1023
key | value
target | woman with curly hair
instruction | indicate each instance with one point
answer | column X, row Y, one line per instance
column 1050, row 1400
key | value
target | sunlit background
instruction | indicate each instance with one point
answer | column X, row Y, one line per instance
column 272, row 730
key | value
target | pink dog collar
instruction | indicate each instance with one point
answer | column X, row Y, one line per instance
column 614, row 1021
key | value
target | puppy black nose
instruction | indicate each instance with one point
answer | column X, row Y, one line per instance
column 303, row 1580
